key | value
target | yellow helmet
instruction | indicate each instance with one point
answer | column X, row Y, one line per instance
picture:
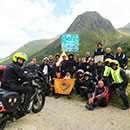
column 20, row 55
column 108, row 60
column 115, row 62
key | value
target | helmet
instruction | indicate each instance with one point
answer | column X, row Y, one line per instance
column 57, row 54
column 45, row 59
column 20, row 55
column 114, row 62
column 107, row 60
column 80, row 71
column 71, row 54
column 87, row 74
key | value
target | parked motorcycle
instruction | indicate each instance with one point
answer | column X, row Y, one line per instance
column 11, row 102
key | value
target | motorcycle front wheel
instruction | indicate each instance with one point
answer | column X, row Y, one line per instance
column 38, row 103
column 3, row 123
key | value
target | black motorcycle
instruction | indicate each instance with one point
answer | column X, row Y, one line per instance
column 11, row 102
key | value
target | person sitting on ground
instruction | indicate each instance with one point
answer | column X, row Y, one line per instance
column 99, row 50
column 100, row 97
column 79, row 80
column 87, row 86
column 58, row 76
column 108, row 54
column 68, row 76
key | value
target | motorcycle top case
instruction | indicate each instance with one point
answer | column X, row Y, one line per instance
column 9, row 100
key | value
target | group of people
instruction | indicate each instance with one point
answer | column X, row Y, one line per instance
column 95, row 82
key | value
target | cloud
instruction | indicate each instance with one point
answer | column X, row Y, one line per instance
column 25, row 20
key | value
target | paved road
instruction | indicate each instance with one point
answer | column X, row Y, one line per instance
column 65, row 114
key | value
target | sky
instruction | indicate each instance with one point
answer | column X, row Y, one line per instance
column 22, row 21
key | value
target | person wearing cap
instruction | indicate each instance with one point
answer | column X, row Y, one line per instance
column 99, row 70
column 46, row 70
column 108, row 54
column 63, row 66
column 55, row 68
column 100, row 97
column 79, row 80
column 71, row 64
column 121, row 58
column 99, row 50
column 87, row 86
column 120, row 80
column 106, row 72
column 14, row 76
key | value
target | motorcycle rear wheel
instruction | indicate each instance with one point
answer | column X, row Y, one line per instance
column 39, row 102
column 3, row 123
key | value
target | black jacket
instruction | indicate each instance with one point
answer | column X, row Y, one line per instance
column 63, row 65
column 42, row 66
column 122, row 59
column 99, row 51
column 13, row 73
column 108, row 55
column 89, row 85
column 79, row 65
column 70, row 65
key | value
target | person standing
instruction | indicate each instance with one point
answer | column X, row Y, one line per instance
column 108, row 54
column 99, row 50
column 71, row 64
column 120, row 81
column 121, row 58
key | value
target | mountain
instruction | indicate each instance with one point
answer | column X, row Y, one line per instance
column 125, row 28
column 30, row 48
column 91, row 27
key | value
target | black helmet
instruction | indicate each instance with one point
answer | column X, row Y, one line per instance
column 70, row 54
column 57, row 54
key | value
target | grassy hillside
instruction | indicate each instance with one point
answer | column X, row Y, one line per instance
column 29, row 49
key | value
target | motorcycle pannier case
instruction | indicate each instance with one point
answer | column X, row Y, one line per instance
column 9, row 100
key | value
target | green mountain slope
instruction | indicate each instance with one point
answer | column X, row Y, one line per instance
column 92, row 28
column 125, row 28
column 29, row 49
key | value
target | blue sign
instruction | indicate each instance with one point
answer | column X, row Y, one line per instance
column 70, row 43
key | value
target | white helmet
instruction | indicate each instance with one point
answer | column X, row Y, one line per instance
column 45, row 59
column 80, row 71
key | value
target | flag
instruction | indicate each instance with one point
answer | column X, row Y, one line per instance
column 63, row 86
column 61, row 58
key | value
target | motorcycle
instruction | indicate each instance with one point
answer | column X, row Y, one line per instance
column 11, row 102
